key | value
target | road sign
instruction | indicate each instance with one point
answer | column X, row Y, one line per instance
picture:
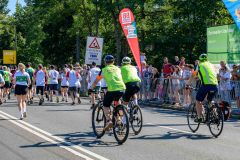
column 94, row 50
column 9, row 57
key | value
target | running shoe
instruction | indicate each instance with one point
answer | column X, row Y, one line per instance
column 79, row 100
column 25, row 114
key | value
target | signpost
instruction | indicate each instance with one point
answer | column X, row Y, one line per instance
column 9, row 57
column 94, row 50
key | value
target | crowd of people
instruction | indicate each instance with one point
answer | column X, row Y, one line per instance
column 169, row 84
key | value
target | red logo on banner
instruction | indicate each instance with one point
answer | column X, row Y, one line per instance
column 128, row 24
column 94, row 44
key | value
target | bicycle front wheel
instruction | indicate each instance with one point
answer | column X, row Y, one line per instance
column 120, row 124
column 215, row 121
column 191, row 116
column 98, row 120
column 136, row 119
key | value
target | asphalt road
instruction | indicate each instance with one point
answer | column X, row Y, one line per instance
column 63, row 132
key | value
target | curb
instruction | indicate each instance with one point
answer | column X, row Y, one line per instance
column 167, row 106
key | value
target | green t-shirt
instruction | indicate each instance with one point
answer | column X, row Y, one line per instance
column 7, row 76
column 30, row 71
column 113, row 78
column 129, row 74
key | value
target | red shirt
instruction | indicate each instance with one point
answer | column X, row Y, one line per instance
column 167, row 70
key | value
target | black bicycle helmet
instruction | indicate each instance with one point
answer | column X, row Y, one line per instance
column 109, row 59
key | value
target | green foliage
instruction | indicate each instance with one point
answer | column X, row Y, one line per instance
column 46, row 31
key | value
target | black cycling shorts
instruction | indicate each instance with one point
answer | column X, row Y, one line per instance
column 7, row 85
column 112, row 96
column 40, row 89
column 131, row 89
column 21, row 90
column 205, row 90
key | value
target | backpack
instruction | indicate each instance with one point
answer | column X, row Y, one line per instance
column 226, row 109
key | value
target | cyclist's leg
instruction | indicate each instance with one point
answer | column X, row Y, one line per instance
column 201, row 94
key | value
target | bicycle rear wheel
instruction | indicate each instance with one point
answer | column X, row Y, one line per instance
column 215, row 121
column 191, row 116
column 98, row 120
column 120, row 124
column 136, row 119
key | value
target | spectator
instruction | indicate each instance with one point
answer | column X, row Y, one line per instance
column 196, row 63
column 167, row 68
column 147, row 74
column 182, row 62
column 236, row 84
column 177, row 62
column 143, row 57
column 225, row 84
column 177, row 74
column 187, row 72
column 84, row 84
column 155, row 77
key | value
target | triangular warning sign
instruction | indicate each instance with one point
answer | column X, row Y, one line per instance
column 94, row 44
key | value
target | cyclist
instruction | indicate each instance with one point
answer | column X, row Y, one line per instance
column 53, row 83
column 7, row 78
column 93, row 73
column 207, row 75
column 116, row 87
column 131, row 80
column 30, row 71
column 21, row 80
column 40, row 83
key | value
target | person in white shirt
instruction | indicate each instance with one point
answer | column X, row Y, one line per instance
column 73, row 79
column 40, row 83
column 53, row 83
column 21, row 81
column 93, row 73
column 64, row 85
column 2, row 83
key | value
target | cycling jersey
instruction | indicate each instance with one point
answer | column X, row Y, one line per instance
column 21, row 78
column 113, row 78
column 206, row 74
column 7, row 76
column 129, row 74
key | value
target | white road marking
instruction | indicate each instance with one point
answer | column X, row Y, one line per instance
column 169, row 128
column 43, row 133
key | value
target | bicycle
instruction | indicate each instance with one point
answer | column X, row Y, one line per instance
column 120, row 121
column 135, row 117
column 213, row 117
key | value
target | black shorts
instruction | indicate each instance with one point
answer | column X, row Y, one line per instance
column 40, row 89
column 21, row 90
column 112, row 96
column 53, row 87
column 46, row 87
column 30, row 87
column 96, row 90
column 131, row 89
column 206, row 90
column 7, row 85
column 63, row 87
column 73, row 89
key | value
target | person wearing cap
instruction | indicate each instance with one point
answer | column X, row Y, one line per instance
column 116, row 87
column 131, row 80
column 208, row 77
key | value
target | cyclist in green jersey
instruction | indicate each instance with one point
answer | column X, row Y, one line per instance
column 30, row 71
column 131, row 80
column 116, row 87
column 208, row 77
column 7, row 78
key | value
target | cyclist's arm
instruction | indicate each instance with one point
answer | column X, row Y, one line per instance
column 98, row 79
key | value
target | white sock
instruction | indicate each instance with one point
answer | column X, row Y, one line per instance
column 25, row 109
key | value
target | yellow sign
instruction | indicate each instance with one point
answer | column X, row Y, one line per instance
column 9, row 57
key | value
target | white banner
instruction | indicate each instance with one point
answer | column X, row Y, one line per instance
column 94, row 50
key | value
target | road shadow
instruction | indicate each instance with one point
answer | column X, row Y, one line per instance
column 159, row 125
column 86, row 139
column 66, row 110
column 171, row 135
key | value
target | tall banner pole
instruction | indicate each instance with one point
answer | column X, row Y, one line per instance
column 127, row 21
column 233, row 7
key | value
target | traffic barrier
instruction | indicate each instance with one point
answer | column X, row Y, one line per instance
column 172, row 91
